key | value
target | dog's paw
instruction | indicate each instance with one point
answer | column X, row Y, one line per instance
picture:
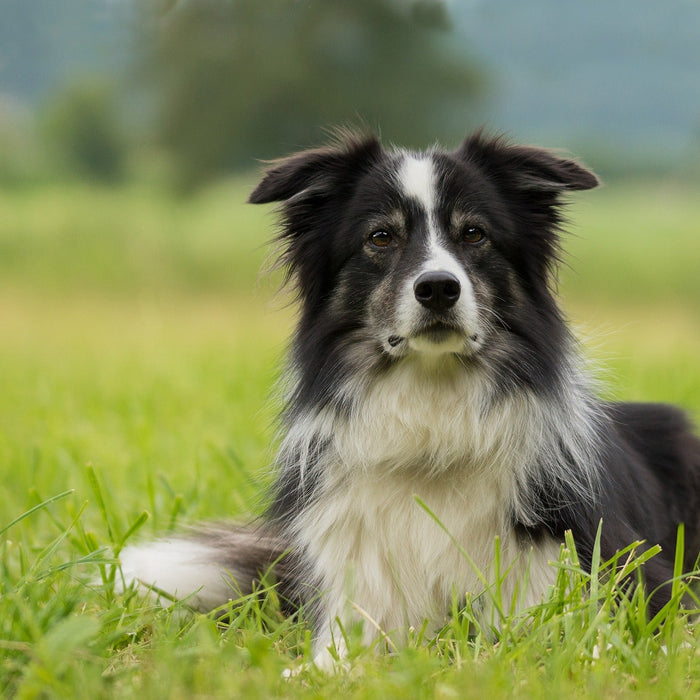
column 323, row 661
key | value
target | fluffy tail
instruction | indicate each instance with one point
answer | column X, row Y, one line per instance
column 208, row 567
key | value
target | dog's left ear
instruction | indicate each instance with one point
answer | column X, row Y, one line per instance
column 528, row 168
column 317, row 171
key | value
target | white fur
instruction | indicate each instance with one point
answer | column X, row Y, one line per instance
column 376, row 551
column 182, row 569
column 417, row 180
column 373, row 545
column 432, row 418
column 436, row 433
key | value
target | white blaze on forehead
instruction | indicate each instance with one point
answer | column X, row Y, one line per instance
column 417, row 180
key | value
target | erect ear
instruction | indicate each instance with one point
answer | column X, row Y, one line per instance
column 317, row 170
column 527, row 167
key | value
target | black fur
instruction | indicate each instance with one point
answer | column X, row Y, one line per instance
column 650, row 484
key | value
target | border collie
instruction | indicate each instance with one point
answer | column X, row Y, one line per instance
column 431, row 359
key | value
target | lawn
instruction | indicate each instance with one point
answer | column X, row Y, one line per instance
column 138, row 352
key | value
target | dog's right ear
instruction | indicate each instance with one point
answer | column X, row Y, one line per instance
column 317, row 171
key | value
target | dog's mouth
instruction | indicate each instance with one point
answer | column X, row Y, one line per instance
column 435, row 335
column 439, row 332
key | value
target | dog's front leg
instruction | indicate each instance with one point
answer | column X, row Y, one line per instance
column 330, row 650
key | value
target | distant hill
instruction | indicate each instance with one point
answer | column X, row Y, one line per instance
column 622, row 75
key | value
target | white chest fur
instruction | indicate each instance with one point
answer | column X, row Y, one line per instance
column 374, row 549
column 373, row 545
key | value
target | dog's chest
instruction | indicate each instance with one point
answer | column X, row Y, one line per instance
column 401, row 548
column 411, row 526
column 432, row 422
column 414, row 488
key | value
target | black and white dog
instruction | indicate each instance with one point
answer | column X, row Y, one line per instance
column 431, row 359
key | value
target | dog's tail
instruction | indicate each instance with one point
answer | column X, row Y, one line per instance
column 208, row 566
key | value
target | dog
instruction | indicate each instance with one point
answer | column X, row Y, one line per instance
column 435, row 400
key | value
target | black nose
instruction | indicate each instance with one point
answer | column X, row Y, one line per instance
column 437, row 291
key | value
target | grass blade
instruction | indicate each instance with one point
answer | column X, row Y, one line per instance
column 38, row 507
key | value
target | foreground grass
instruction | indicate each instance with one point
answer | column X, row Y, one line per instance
column 136, row 368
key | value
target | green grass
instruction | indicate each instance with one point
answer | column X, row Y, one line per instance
column 136, row 367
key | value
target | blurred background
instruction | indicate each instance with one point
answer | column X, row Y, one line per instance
column 147, row 107
column 135, row 333
column 196, row 89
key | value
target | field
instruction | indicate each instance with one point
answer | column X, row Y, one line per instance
column 138, row 352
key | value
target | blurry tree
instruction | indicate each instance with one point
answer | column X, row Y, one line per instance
column 80, row 126
column 238, row 80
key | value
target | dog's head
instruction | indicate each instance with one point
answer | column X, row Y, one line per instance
column 430, row 254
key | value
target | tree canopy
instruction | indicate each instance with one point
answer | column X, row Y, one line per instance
column 238, row 80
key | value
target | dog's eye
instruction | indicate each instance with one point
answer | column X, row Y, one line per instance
column 380, row 239
column 473, row 234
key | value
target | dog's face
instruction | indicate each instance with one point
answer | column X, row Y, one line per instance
column 422, row 254
column 423, row 262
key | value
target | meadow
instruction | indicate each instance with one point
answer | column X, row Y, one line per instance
column 139, row 347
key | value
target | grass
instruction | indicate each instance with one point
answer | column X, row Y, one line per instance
column 136, row 366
